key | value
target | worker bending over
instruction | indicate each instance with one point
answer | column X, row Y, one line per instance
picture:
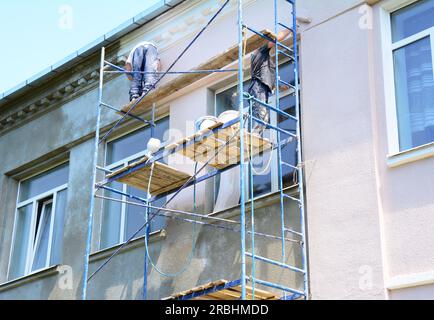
column 263, row 68
column 145, row 61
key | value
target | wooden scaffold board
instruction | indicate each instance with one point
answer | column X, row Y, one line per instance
column 164, row 177
column 220, row 146
column 221, row 290
column 218, row 62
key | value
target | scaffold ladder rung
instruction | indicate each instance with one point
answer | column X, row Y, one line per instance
column 293, row 232
column 280, row 44
column 271, row 261
column 287, row 84
column 281, row 112
column 291, row 198
column 285, row 26
column 289, row 165
column 277, row 286
column 269, row 126
column 291, row 57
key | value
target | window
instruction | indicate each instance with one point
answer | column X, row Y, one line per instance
column 38, row 228
column 120, row 220
column 413, row 56
column 265, row 178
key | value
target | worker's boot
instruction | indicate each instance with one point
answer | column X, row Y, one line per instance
column 134, row 96
column 147, row 88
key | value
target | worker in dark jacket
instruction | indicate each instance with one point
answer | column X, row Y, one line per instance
column 263, row 68
column 143, row 59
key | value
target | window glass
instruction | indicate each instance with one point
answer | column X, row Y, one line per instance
column 412, row 19
column 121, row 220
column 127, row 146
column 39, row 224
column 42, row 236
column 110, row 232
column 228, row 99
column 414, row 88
column 21, row 241
column 44, row 182
column 134, row 142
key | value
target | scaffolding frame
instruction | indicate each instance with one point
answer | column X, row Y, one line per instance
column 246, row 167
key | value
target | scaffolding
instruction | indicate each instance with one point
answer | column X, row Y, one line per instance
column 236, row 141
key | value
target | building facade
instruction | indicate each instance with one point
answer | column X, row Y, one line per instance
column 367, row 100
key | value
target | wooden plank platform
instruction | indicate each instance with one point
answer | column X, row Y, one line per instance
column 203, row 145
column 164, row 177
column 226, row 293
column 218, row 62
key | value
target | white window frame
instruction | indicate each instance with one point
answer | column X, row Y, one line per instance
column 273, row 121
column 39, row 230
column 123, row 163
column 30, row 254
column 389, row 71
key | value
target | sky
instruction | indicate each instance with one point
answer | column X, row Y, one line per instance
column 35, row 34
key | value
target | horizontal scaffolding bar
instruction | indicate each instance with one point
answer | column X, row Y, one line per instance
column 293, row 296
column 174, row 72
column 260, row 34
column 293, row 232
column 167, row 209
column 292, row 198
column 281, row 112
column 104, row 169
column 269, row 39
column 274, row 127
column 279, row 264
column 287, row 84
column 276, row 286
column 122, row 70
column 289, row 165
column 286, row 55
column 286, row 27
column 189, row 220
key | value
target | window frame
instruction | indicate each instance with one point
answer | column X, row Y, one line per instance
column 388, row 48
column 31, row 249
column 119, row 164
column 39, row 230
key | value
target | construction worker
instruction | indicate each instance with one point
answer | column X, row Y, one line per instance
column 263, row 68
column 143, row 58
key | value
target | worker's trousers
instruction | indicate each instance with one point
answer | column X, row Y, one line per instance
column 145, row 60
column 261, row 92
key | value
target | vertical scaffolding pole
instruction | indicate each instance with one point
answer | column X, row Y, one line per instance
column 242, row 160
column 279, row 149
column 299, row 155
column 93, row 179
column 148, row 227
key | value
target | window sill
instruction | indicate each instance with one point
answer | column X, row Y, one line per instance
column 30, row 278
column 136, row 243
column 412, row 155
column 410, row 280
